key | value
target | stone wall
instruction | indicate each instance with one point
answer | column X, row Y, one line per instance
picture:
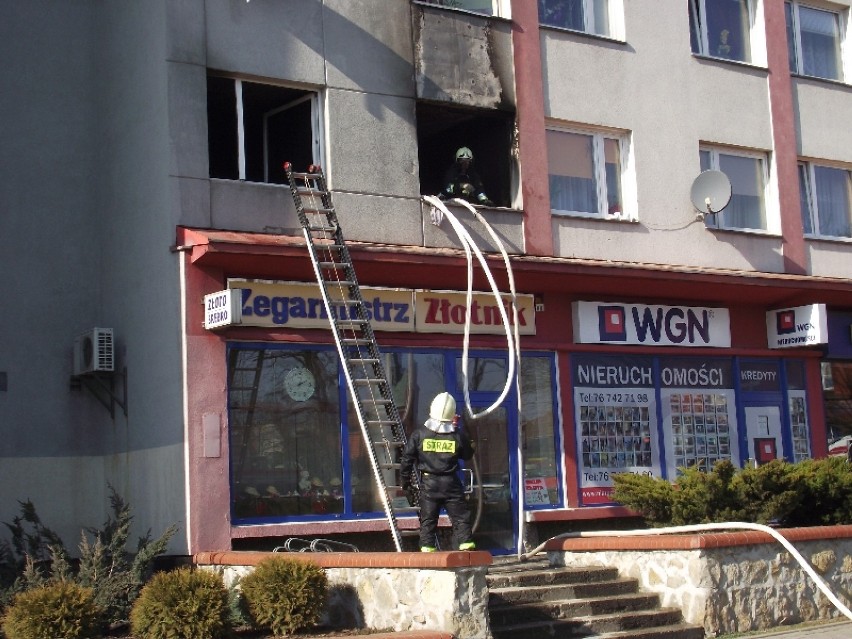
column 397, row 592
column 730, row 582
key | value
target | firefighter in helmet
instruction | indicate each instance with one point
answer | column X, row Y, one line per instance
column 434, row 450
column 462, row 180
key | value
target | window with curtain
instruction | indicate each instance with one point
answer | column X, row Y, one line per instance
column 585, row 172
column 814, row 42
column 826, row 195
column 721, row 28
column 747, row 208
column 589, row 16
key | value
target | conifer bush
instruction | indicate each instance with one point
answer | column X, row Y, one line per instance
column 182, row 604
column 814, row 492
column 284, row 594
column 58, row 610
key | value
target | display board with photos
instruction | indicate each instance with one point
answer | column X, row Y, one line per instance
column 616, row 422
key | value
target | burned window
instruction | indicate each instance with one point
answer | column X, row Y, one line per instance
column 442, row 131
column 254, row 128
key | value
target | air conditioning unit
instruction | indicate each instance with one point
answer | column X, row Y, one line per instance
column 94, row 352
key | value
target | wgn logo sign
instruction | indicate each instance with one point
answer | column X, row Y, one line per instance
column 596, row 323
column 798, row 326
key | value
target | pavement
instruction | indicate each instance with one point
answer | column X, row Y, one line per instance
column 814, row 630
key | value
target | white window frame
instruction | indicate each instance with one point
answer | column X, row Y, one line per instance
column 813, row 204
column 627, row 180
column 845, row 52
column 499, row 8
column 615, row 18
column 772, row 221
column 757, row 33
column 316, row 129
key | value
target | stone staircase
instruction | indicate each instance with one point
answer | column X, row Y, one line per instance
column 535, row 600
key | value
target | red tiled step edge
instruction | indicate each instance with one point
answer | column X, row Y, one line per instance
column 697, row 540
column 406, row 634
column 429, row 560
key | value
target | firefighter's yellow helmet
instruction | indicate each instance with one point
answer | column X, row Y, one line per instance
column 443, row 408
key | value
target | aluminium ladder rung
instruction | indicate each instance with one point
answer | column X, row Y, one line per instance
column 384, row 422
column 356, row 341
column 346, row 283
column 367, row 381
column 376, row 402
column 334, row 265
column 313, row 228
column 317, row 209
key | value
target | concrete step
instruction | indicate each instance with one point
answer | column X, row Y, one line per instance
column 522, row 577
column 646, row 624
column 583, row 590
column 514, row 613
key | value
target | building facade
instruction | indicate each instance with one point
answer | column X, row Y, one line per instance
column 672, row 181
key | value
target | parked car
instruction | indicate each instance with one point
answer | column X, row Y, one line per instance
column 840, row 447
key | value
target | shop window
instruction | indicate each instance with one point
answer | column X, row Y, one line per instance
column 488, row 133
column 254, row 128
column 293, row 455
column 721, row 28
column 838, row 400
column 797, row 398
column 586, row 173
column 747, row 173
column 285, row 438
column 589, row 16
column 814, row 42
column 826, row 200
column 498, row 8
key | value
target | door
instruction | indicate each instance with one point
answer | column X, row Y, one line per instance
column 493, row 498
column 763, row 432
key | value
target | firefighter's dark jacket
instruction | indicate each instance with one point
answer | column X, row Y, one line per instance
column 435, row 453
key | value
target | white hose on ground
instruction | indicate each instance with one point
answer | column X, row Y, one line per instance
column 820, row 583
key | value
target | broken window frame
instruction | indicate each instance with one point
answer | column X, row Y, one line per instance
column 303, row 152
column 499, row 8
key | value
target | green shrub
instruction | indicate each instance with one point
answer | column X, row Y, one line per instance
column 809, row 493
column 827, row 498
column 284, row 594
column 59, row 610
column 182, row 604
column 36, row 555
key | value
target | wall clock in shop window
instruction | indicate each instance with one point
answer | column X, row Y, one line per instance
column 300, row 384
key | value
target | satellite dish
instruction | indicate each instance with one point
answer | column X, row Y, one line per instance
column 711, row 192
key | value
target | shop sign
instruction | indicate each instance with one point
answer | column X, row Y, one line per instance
column 222, row 308
column 797, row 326
column 445, row 312
column 651, row 325
column 300, row 305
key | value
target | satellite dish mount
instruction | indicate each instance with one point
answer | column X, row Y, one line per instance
column 711, row 193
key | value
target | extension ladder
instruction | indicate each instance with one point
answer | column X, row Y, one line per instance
column 369, row 390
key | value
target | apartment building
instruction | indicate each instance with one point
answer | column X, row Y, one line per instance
column 671, row 179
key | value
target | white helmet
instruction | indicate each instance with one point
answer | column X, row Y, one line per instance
column 443, row 408
column 464, row 153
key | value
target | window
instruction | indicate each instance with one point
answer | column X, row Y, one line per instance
column 589, row 16
column 488, row 7
column 254, row 128
column 488, row 133
column 721, row 28
column 297, row 451
column 813, row 38
column 747, row 173
column 585, row 172
column 826, row 199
